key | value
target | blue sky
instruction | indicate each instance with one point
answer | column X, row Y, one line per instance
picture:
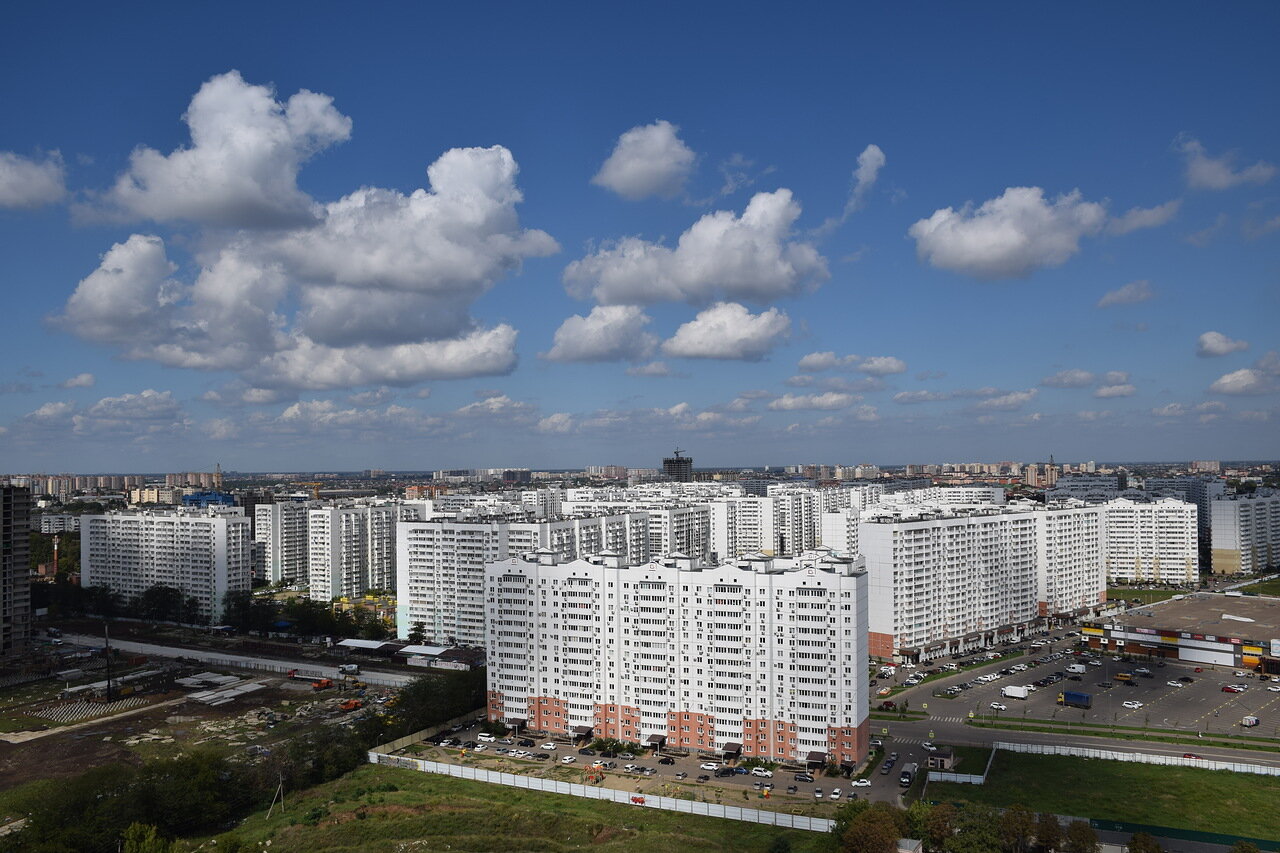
column 302, row 236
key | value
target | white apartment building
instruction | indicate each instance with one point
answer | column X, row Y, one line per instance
column 203, row 554
column 948, row 495
column 351, row 549
column 947, row 579
column 282, row 534
column 56, row 523
column 1071, row 576
column 759, row 657
column 441, row 563
column 1151, row 542
column 674, row 528
column 1201, row 491
column 1246, row 532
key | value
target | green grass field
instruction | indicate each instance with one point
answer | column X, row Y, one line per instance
column 1146, row 596
column 1182, row 797
column 1267, row 587
column 429, row 812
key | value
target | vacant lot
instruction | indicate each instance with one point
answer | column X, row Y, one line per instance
column 1267, row 587
column 1146, row 596
column 388, row 809
column 1183, row 797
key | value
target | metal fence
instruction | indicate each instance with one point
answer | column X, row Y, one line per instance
column 962, row 778
column 1139, row 757
column 673, row 804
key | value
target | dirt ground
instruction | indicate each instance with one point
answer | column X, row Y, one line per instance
column 70, row 753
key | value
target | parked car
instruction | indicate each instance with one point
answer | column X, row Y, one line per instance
column 626, row 755
column 817, row 793
column 1175, row 684
column 1133, row 705
column 804, row 777
column 725, row 773
column 666, row 760
column 861, row 783
column 1186, row 679
column 484, row 737
column 548, row 745
column 710, row 765
column 762, row 772
column 998, row 706
column 586, row 751
column 568, row 759
column 835, row 793
column 682, row 775
column 704, row 778
column 929, row 747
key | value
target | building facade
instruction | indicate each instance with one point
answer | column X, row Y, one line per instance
column 441, row 563
column 15, row 588
column 1246, row 532
column 760, row 657
column 1152, row 542
column 204, row 554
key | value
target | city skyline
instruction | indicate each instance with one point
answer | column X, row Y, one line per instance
column 562, row 239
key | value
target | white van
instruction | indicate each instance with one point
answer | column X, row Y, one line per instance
column 1077, row 668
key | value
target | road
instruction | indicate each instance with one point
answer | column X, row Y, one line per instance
column 219, row 658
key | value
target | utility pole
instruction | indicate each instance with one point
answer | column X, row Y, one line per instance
column 106, row 648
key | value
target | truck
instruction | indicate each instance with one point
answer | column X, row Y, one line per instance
column 1077, row 668
column 1249, row 721
column 1015, row 692
column 908, row 774
column 1075, row 699
column 349, row 668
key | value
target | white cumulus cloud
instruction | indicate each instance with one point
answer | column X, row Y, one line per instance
column 1212, row 344
column 815, row 362
column 1109, row 391
column 1136, row 218
column 1246, row 381
column 27, row 182
column 558, row 422
column 728, row 330
column 1129, row 294
column 1011, row 402
column 650, row 160
column 653, row 368
column 608, row 333
column 241, row 168
column 1072, row 378
column 882, row 365
column 1220, row 173
column 1010, row 236
column 870, row 162
column 829, row 402
column 740, row 257
column 80, row 380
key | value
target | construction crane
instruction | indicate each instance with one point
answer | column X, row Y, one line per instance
column 315, row 490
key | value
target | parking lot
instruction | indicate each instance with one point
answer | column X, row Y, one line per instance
column 649, row 769
column 1168, row 695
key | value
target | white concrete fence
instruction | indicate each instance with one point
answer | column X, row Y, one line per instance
column 1140, row 757
column 648, row 801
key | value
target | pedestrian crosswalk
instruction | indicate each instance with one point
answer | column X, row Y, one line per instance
column 946, row 719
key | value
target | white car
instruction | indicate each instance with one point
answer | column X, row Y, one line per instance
column 1094, row 662
column 929, row 747
column 835, row 793
column 1275, row 688
column 861, row 783
column 1133, row 704
column 548, row 746
column 568, row 759
column 485, row 737
column 762, row 772
column 480, row 747
column 710, row 765
column 1175, row 684
column 999, row 706
column 1239, row 673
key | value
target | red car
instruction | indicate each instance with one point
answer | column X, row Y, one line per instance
column 1231, row 688
column 1189, row 755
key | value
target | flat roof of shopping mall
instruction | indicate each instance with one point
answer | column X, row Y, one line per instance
column 1257, row 617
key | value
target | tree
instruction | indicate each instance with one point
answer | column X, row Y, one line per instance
column 940, row 826
column 918, row 819
column 1017, row 825
column 977, row 830
column 1144, row 842
column 781, row 844
column 1048, row 831
column 143, row 838
column 418, row 633
column 872, row 831
column 1080, row 838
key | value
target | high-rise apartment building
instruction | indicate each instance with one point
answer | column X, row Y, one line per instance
column 440, row 563
column 15, row 595
column 678, row 468
column 281, row 531
column 1246, row 532
column 947, row 579
column 204, row 554
column 761, row 657
column 351, row 549
column 1152, row 542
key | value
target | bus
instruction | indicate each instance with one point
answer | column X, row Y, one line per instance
column 908, row 775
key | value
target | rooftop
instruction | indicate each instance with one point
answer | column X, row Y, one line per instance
column 1254, row 618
